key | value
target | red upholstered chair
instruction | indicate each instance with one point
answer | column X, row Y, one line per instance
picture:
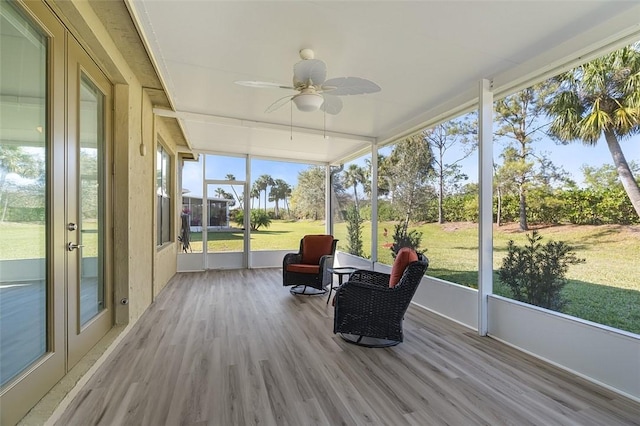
column 309, row 267
column 370, row 307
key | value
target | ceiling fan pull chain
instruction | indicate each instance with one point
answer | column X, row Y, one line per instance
column 291, row 121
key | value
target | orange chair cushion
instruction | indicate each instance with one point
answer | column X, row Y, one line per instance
column 303, row 269
column 314, row 247
column 404, row 257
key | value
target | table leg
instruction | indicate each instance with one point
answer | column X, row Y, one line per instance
column 331, row 287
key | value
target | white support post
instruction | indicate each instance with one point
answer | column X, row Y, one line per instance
column 374, row 204
column 205, row 214
column 247, row 216
column 328, row 217
column 485, row 228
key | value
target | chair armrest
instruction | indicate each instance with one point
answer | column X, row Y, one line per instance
column 378, row 279
column 326, row 262
column 290, row 258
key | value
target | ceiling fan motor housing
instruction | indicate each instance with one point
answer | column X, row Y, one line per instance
column 308, row 102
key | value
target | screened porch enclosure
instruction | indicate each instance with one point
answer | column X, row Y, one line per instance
column 187, row 220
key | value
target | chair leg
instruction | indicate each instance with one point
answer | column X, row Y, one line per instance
column 306, row 290
column 369, row 342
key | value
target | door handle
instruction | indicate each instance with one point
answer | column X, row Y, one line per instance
column 73, row 246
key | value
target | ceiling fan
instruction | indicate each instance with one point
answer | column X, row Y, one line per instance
column 314, row 90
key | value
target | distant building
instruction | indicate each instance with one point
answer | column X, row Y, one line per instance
column 217, row 208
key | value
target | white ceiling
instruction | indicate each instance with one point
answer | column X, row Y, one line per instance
column 427, row 56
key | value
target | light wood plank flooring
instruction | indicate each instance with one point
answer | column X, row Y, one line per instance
column 235, row 348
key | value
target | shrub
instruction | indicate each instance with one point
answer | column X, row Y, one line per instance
column 402, row 238
column 535, row 273
column 386, row 211
column 354, row 232
column 259, row 218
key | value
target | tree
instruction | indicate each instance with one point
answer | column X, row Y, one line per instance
column 410, row 165
column 498, row 184
column 262, row 184
column 353, row 176
column 601, row 97
column 308, row 197
column 604, row 177
column 383, row 177
column 442, row 138
column 220, row 192
column 13, row 159
column 254, row 193
column 518, row 119
column 279, row 191
column 239, row 198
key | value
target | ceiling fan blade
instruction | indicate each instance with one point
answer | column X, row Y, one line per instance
column 278, row 104
column 332, row 104
column 309, row 71
column 344, row 86
column 264, row 85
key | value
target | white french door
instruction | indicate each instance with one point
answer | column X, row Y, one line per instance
column 90, row 307
column 55, row 281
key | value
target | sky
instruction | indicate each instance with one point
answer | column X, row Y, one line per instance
column 571, row 157
column 218, row 167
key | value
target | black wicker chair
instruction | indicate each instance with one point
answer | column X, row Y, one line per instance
column 370, row 313
column 308, row 270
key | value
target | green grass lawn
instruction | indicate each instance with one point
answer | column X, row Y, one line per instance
column 604, row 289
column 27, row 240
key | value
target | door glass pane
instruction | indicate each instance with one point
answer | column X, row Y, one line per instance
column 191, row 214
column 90, row 193
column 225, row 230
column 23, row 189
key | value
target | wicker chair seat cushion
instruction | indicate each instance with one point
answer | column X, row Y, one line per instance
column 314, row 247
column 303, row 269
column 404, row 257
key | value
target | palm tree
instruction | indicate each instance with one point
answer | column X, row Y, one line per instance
column 352, row 177
column 287, row 195
column 601, row 97
column 230, row 176
column 262, row 184
column 220, row 192
column 279, row 191
column 254, row 193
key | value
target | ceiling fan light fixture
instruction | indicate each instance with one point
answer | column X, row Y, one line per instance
column 308, row 102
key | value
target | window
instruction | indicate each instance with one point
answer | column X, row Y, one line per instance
column 163, row 193
column 24, row 233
